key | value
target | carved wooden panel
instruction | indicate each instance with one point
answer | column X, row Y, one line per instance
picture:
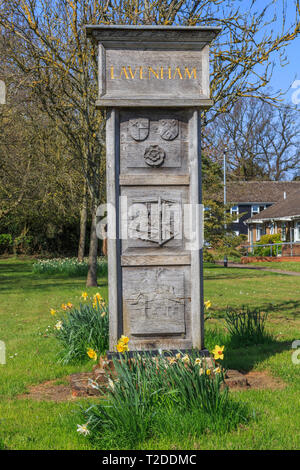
column 150, row 74
column 152, row 219
column 155, row 301
column 154, row 140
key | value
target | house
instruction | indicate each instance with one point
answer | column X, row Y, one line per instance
column 282, row 217
column 250, row 198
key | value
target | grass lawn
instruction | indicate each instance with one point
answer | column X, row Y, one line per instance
column 283, row 266
column 25, row 302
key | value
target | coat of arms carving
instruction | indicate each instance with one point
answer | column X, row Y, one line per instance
column 168, row 129
column 154, row 156
column 139, row 129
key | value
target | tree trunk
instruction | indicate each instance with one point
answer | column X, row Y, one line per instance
column 104, row 247
column 83, row 221
column 92, row 271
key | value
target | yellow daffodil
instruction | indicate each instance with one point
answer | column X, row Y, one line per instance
column 52, row 311
column 217, row 370
column 198, row 361
column 92, row 354
column 103, row 314
column 207, row 304
column 208, row 371
column 98, row 297
column 186, row 359
column 84, row 295
column 69, row 305
column 173, row 360
column 218, row 352
column 122, row 345
column 178, row 356
column 59, row 325
column 124, row 339
column 64, row 306
column 201, row 371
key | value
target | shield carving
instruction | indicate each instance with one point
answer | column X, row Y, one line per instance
column 139, row 129
column 169, row 129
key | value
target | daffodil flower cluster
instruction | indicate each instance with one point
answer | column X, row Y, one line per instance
column 122, row 345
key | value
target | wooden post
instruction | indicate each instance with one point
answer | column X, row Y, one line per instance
column 154, row 81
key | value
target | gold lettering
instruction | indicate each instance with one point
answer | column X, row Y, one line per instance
column 161, row 72
column 132, row 74
column 124, row 72
column 189, row 74
column 150, row 70
column 177, row 72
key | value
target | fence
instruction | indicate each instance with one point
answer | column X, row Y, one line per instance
column 273, row 249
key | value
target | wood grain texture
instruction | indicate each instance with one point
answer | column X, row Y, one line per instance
column 159, row 180
column 140, row 101
column 156, row 260
column 111, row 132
column 156, row 301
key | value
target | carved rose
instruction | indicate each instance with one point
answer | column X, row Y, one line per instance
column 154, row 155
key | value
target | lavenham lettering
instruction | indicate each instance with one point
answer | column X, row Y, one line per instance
column 149, row 73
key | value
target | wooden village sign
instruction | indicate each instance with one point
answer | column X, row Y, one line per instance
column 153, row 81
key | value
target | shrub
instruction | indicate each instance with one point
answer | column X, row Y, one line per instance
column 246, row 326
column 23, row 244
column 148, row 393
column 6, row 242
column 268, row 239
column 83, row 332
column 68, row 266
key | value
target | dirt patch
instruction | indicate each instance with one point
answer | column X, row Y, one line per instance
column 49, row 391
column 253, row 381
column 74, row 386
column 78, row 385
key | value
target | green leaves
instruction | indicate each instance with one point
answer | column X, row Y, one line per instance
column 82, row 328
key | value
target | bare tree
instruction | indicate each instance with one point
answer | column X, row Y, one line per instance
column 263, row 140
column 46, row 40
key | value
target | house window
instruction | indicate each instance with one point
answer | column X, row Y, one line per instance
column 283, row 232
column 235, row 211
column 258, row 232
column 297, row 231
column 254, row 210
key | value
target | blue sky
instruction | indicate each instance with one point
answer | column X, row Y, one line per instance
column 283, row 77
